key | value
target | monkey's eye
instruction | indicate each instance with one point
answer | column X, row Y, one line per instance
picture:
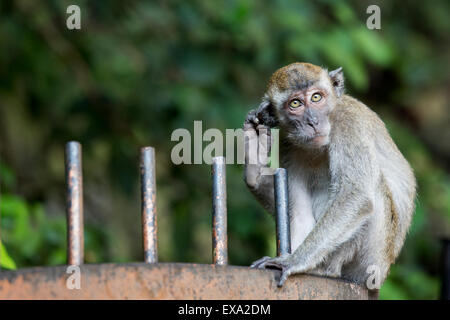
column 295, row 103
column 316, row 97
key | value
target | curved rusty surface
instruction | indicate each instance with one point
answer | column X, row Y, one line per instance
column 171, row 281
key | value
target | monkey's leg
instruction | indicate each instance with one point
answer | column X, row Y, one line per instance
column 323, row 272
column 318, row 245
column 332, row 266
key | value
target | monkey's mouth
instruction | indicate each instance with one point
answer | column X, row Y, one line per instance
column 319, row 140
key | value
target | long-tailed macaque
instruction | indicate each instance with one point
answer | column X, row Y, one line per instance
column 351, row 192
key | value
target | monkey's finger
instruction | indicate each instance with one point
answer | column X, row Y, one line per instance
column 259, row 262
column 251, row 146
column 248, row 126
column 252, row 118
column 264, row 144
column 262, row 128
column 276, row 263
column 284, row 275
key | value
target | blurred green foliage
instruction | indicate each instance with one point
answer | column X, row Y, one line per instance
column 33, row 237
column 138, row 70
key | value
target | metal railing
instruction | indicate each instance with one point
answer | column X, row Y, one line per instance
column 155, row 280
column 74, row 183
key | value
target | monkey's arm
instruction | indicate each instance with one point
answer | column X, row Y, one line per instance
column 256, row 170
column 350, row 209
column 261, row 186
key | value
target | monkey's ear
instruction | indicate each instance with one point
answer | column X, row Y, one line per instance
column 337, row 79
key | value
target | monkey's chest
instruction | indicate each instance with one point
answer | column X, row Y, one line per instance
column 307, row 203
column 309, row 192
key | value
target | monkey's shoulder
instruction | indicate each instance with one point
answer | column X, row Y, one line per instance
column 354, row 117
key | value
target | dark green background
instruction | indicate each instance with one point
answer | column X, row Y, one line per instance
column 138, row 70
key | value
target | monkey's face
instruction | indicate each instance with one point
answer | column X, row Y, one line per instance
column 302, row 95
column 304, row 116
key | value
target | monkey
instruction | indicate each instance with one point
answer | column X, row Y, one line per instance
column 351, row 191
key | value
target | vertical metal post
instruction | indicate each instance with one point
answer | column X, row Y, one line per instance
column 219, row 219
column 74, row 203
column 148, row 204
column 282, row 212
column 445, row 289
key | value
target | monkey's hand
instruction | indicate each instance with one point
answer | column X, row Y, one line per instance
column 263, row 115
column 285, row 263
column 252, row 120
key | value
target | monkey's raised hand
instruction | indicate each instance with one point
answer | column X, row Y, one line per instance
column 258, row 140
column 263, row 115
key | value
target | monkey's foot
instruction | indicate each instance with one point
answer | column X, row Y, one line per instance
column 283, row 263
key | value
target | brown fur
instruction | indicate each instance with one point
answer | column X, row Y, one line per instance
column 282, row 78
column 392, row 217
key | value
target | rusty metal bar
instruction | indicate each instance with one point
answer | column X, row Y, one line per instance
column 148, row 204
column 74, row 203
column 219, row 221
column 282, row 212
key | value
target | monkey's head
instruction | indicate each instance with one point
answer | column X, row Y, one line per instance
column 300, row 97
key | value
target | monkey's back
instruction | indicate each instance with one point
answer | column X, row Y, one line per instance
column 397, row 184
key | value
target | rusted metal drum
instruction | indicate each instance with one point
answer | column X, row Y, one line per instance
column 171, row 281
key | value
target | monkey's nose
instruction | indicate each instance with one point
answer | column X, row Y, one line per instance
column 311, row 119
column 312, row 122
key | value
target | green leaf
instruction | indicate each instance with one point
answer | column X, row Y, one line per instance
column 15, row 208
column 5, row 260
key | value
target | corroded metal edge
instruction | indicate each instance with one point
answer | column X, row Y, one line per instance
column 172, row 281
